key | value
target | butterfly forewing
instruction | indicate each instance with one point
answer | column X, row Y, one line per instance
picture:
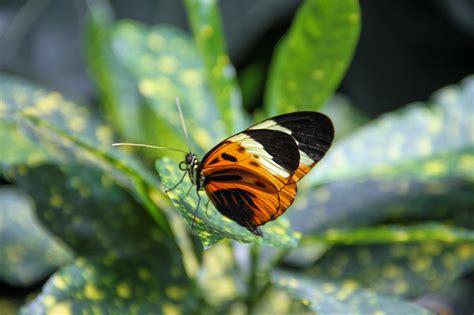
column 251, row 177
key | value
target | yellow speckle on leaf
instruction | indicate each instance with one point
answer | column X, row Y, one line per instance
column 155, row 42
column 191, row 78
column 144, row 274
column 342, row 295
column 329, row 288
column 391, row 271
column 77, row 124
column 353, row 18
column 350, row 285
column 465, row 251
column 49, row 103
column 56, row 200
column 206, row 31
column 202, row 137
column 318, row 74
column 421, row 264
column 167, row 64
column 434, row 168
column 59, row 283
column 104, row 134
column 174, row 292
column 400, row 287
column 379, row 313
column 3, row 107
column 49, row 300
column 424, row 147
column 147, row 87
column 170, row 309
column 123, row 290
column 466, row 162
column 92, row 292
column 60, row 309
column 400, row 236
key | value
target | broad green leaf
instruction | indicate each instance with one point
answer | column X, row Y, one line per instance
column 211, row 226
column 374, row 200
column 393, row 234
column 29, row 252
column 74, row 134
column 120, row 98
column 115, row 286
column 403, row 138
column 127, row 261
column 127, row 110
column 344, row 297
column 208, row 33
column 410, row 165
column 407, row 269
column 89, row 212
column 310, row 61
column 165, row 64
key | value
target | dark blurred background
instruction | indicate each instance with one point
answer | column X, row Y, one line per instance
column 407, row 49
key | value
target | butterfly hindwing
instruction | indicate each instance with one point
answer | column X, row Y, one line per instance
column 251, row 177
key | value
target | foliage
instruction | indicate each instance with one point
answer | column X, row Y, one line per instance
column 384, row 218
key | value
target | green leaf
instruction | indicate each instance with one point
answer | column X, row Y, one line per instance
column 411, row 165
column 374, row 200
column 120, row 98
column 115, row 286
column 28, row 251
column 164, row 62
column 312, row 58
column 213, row 226
column 126, row 261
column 393, row 234
column 89, row 212
column 416, row 140
column 345, row 297
column 208, row 33
column 408, row 269
column 74, row 134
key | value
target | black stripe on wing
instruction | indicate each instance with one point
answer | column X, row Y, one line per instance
column 313, row 131
column 236, row 204
column 281, row 147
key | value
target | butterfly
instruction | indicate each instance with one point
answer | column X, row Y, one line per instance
column 251, row 177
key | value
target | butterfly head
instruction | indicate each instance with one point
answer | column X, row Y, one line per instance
column 190, row 165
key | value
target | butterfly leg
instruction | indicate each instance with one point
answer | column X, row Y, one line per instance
column 196, row 210
column 180, row 181
column 189, row 190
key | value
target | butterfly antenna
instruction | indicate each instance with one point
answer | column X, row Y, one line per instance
column 182, row 123
column 147, row 146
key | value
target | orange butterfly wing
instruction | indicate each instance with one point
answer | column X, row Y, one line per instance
column 251, row 177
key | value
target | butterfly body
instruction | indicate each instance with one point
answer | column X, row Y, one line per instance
column 251, row 177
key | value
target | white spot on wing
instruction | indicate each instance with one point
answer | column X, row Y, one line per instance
column 254, row 147
column 305, row 159
column 272, row 125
